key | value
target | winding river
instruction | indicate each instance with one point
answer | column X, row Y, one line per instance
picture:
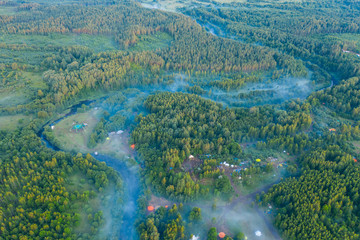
column 129, row 175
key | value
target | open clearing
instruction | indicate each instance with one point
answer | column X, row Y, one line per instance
column 96, row 42
column 153, row 42
column 8, row 11
column 13, row 98
column 230, row 218
column 76, row 141
column 70, row 140
column 12, row 122
column 21, row 90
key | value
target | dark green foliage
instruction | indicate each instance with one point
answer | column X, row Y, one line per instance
column 104, row 127
column 195, row 214
column 164, row 224
column 36, row 200
column 240, row 236
column 343, row 98
column 181, row 125
column 325, row 197
column 288, row 27
column 212, row 234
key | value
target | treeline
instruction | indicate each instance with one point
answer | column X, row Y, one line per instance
column 192, row 47
column 289, row 28
column 180, row 125
column 106, row 125
column 169, row 224
column 163, row 224
column 74, row 72
column 344, row 98
column 36, row 198
column 323, row 202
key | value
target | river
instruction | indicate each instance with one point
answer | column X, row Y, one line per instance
column 129, row 175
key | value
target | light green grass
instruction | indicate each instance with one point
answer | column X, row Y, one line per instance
column 96, row 42
column 12, row 98
column 12, row 122
column 22, row 56
column 157, row 41
column 261, row 180
column 76, row 141
column 8, row 11
column 20, row 91
column 116, row 145
column 34, row 79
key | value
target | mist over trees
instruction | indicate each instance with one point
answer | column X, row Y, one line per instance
column 181, row 138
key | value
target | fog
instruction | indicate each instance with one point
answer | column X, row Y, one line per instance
column 240, row 215
column 128, row 209
column 275, row 92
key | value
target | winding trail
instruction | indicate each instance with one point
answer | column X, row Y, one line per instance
column 247, row 199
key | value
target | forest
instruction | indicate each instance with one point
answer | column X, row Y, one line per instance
column 221, row 108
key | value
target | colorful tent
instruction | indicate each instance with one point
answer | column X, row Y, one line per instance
column 258, row 160
column 78, row 127
column 222, row 235
column 132, row 146
column 150, row 208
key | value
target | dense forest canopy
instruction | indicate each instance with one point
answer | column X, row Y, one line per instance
column 187, row 144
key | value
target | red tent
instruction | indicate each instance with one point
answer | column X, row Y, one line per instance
column 222, row 235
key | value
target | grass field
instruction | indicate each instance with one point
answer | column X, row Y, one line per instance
column 152, row 42
column 12, row 122
column 261, row 180
column 12, row 98
column 8, row 11
column 116, row 145
column 96, row 42
column 34, row 80
column 76, row 141
column 21, row 90
column 22, row 56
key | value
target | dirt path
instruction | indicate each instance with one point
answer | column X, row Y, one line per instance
column 246, row 200
column 268, row 223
